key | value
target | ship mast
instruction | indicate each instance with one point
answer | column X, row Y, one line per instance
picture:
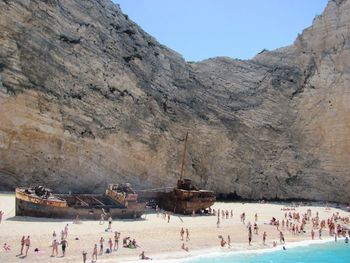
column 183, row 158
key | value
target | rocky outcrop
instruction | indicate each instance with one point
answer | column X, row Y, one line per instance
column 87, row 98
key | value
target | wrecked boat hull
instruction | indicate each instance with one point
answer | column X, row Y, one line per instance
column 27, row 205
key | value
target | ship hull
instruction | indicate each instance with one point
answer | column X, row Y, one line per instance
column 25, row 208
column 171, row 202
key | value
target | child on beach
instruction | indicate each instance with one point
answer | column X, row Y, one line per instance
column 143, row 257
column 6, row 247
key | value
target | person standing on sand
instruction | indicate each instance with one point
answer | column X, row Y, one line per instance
column 22, row 244
column 110, row 242
column 27, row 244
column 84, row 256
column 256, row 217
column 65, row 231
column 94, row 253
column 182, row 232
column 218, row 222
column 54, row 248
column 229, row 241
column 116, row 239
column 264, row 238
column 320, row 233
column 102, row 241
column 110, row 223
column 168, row 218
column 312, row 234
column 250, row 238
column 102, row 219
column 187, row 235
column 64, row 245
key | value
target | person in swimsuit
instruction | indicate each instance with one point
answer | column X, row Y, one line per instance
column 116, row 239
column 22, row 244
column 94, row 253
column 264, row 238
column 187, row 235
column 101, row 245
column 110, row 242
column 64, row 245
column 143, row 257
column 182, row 232
column 27, row 244
column 84, row 256
column 54, row 248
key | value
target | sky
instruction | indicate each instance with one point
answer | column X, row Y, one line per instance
column 201, row 29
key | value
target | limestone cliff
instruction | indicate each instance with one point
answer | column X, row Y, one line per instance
column 87, row 98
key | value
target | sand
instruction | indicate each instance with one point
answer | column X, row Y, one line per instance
column 158, row 238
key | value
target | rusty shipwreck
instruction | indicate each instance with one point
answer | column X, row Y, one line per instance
column 119, row 201
column 185, row 198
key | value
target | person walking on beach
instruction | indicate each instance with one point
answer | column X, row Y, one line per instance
column 182, row 232
column 102, row 241
column 281, row 237
column 27, row 244
column 250, row 238
column 312, row 234
column 264, row 238
column 22, row 244
column 256, row 217
column 218, row 222
column 168, row 218
column 320, row 233
column 229, row 241
column 187, row 235
column 94, row 253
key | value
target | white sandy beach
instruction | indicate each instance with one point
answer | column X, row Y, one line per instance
column 159, row 239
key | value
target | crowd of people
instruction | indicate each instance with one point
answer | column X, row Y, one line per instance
column 291, row 220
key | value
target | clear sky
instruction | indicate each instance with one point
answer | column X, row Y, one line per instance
column 200, row 29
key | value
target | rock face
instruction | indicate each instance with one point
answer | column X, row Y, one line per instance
column 88, row 98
